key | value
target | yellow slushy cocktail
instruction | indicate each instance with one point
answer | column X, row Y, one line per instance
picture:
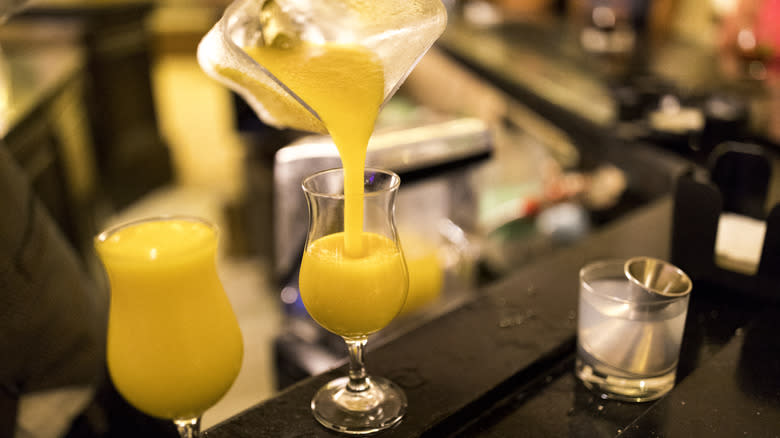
column 426, row 273
column 174, row 344
column 362, row 294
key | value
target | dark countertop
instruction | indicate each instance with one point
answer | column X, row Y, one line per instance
column 503, row 362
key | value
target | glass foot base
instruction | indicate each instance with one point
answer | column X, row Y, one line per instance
column 381, row 406
column 603, row 380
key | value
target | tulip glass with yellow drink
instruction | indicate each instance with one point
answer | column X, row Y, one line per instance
column 353, row 278
column 174, row 344
column 354, row 295
column 328, row 66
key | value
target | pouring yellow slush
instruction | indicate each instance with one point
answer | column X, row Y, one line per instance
column 347, row 280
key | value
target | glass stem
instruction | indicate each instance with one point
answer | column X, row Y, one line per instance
column 188, row 427
column 358, row 378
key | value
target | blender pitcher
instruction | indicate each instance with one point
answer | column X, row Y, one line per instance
column 398, row 32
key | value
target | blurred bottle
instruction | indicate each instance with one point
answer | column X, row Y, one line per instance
column 10, row 7
column 615, row 26
column 610, row 26
column 487, row 13
column 525, row 7
column 773, row 123
column 749, row 44
column 749, row 38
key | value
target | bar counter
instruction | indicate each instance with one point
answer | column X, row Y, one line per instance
column 502, row 363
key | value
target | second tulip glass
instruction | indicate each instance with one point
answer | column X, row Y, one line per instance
column 174, row 343
column 354, row 296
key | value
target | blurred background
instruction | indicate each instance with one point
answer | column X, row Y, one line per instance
column 529, row 125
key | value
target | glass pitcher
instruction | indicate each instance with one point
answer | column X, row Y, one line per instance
column 398, row 32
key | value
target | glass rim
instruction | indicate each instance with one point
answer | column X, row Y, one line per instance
column 105, row 234
column 603, row 263
column 393, row 186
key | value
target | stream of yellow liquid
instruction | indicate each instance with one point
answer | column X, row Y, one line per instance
column 352, row 283
column 344, row 84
